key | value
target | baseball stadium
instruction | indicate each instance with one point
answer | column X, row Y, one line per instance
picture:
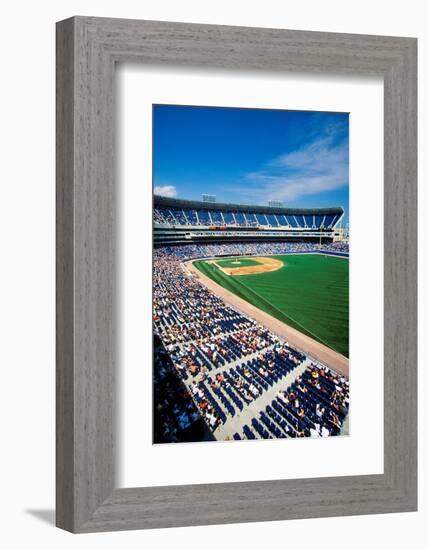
column 250, row 321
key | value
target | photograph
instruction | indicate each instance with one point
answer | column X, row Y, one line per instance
column 250, row 274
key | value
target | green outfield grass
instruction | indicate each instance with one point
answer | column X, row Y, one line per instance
column 237, row 262
column 310, row 293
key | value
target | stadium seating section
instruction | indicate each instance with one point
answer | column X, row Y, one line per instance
column 209, row 217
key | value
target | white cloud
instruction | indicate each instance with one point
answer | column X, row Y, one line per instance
column 165, row 190
column 316, row 168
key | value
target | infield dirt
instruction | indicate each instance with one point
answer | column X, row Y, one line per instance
column 264, row 266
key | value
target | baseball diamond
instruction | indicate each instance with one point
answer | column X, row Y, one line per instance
column 235, row 263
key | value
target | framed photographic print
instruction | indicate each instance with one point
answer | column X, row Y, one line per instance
column 248, row 296
column 236, row 274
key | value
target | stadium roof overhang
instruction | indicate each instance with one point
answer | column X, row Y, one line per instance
column 199, row 205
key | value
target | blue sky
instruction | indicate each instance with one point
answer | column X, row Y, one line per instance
column 251, row 156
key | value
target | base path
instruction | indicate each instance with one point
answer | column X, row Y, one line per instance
column 264, row 265
column 308, row 345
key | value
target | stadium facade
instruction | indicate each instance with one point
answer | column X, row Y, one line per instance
column 178, row 221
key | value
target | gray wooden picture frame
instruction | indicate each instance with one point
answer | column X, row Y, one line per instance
column 87, row 50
